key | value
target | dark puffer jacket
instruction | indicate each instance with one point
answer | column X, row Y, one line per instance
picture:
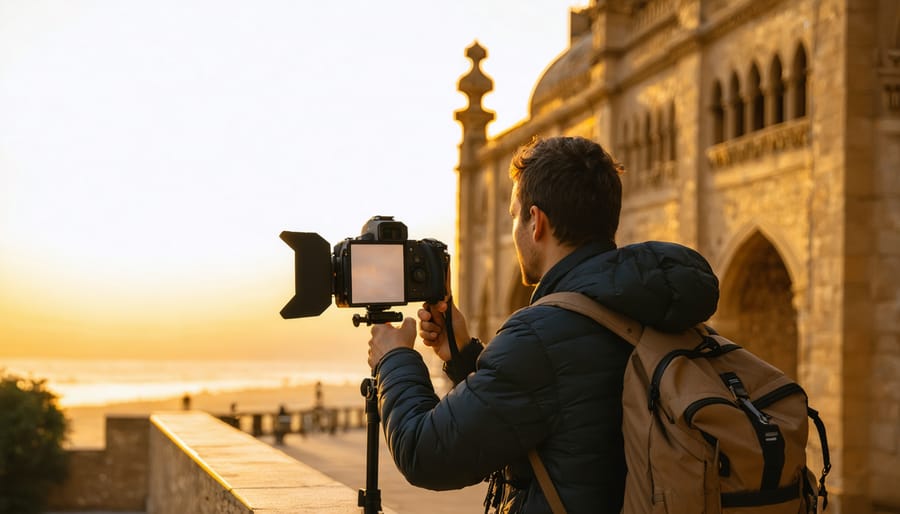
column 550, row 379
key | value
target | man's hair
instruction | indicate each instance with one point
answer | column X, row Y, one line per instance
column 575, row 182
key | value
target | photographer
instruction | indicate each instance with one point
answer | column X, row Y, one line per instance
column 550, row 379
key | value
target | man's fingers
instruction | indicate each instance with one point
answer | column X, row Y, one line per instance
column 440, row 306
column 409, row 327
column 429, row 338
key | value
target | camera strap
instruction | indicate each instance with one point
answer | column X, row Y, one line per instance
column 451, row 337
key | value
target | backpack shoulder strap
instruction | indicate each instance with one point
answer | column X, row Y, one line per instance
column 546, row 483
column 625, row 327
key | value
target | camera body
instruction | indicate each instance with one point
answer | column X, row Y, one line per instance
column 378, row 269
column 382, row 268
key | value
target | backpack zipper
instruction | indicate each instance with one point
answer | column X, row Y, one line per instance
column 762, row 402
column 653, row 392
column 692, row 409
column 781, row 393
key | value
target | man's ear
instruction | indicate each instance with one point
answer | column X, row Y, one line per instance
column 541, row 223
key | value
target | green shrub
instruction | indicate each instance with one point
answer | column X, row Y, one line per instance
column 32, row 430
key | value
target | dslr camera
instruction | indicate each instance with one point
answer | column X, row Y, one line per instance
column 377, row 270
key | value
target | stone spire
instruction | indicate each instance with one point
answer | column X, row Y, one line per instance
column 474, row 118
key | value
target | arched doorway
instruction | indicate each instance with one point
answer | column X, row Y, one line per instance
column 756, row 309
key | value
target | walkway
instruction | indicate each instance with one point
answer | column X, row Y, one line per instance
column 343, row 458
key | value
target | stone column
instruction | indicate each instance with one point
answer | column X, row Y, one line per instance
column 748, row 112
column 790, row 96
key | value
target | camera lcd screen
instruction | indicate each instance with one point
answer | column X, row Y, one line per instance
column 376, row 274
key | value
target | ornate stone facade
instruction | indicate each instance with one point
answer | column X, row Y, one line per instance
column 764, row 133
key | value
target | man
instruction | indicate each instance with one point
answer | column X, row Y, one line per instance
column 550, row 379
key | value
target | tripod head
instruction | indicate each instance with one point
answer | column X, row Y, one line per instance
column 375, row 315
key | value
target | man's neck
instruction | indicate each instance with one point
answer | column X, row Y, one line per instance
column 553, row 254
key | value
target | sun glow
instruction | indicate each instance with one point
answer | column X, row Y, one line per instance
column 151, row 153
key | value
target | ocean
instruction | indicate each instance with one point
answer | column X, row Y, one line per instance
column 100, row 382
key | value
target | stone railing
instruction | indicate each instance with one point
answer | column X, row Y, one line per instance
column 785, row 136
column 199, row 464
column 190, row 461
column 650, row 14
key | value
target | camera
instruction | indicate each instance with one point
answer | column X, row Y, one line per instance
column 377, row 270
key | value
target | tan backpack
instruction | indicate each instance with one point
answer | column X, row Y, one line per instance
column 709, row 427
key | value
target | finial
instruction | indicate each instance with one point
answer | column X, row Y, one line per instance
column 476, row 52
column 475, row 84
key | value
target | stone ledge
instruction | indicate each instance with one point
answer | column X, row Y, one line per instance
column 200, row 464
column 789, row 135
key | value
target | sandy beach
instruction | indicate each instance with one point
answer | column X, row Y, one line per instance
column 341, row 456
column 86, row 423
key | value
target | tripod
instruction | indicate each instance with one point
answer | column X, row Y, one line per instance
column 370, row 497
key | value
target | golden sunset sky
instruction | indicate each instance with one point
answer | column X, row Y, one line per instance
column 151, row 151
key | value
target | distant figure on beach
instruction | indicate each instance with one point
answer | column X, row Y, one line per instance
column 186, row 402
column 282, row 424
column 319, row 401
column 232, row 417
column 550, row 380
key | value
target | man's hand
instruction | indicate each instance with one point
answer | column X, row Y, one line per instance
column 386, row 337
column 432, row 329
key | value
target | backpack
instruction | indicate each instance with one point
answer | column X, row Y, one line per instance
column 708, row 427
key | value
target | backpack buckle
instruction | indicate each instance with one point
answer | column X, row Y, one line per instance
column 734, row 384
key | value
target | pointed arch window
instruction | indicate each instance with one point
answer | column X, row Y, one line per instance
column 648, row 142
column 659, row 138
column 799, row 72
column 635, row 158
column 736, row 107
column 776, row 92
column 673, row 139
column 718, row 113
column 755, row 101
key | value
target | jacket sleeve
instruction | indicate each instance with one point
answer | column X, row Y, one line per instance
column 489, row 419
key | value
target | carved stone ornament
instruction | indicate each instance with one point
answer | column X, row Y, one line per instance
column 777, row 138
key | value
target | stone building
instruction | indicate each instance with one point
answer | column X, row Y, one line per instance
column 765, row 134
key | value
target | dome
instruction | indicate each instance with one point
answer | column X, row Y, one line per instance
column 565, row 76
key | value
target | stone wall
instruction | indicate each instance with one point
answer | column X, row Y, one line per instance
column 113, row 478
column 189, row 461
column 881, row 268
column 201, row 465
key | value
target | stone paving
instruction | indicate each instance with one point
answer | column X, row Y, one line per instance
column 343, row 458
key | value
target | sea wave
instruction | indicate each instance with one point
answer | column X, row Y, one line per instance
column 101, row 382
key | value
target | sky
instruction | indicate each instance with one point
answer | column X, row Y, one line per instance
column 151, row 151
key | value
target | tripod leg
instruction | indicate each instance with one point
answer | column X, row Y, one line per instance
column 370, row 497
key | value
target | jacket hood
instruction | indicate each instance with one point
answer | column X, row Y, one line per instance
column 667, row 286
